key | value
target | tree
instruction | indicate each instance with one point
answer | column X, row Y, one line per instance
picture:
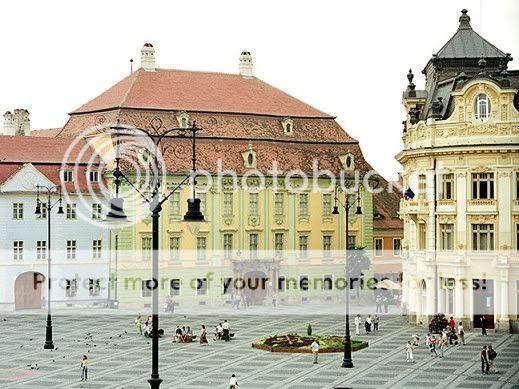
column 357, row 262
column 309, row 330
column 438, row 323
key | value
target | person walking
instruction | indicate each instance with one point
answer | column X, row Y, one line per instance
column 274, row 299
column 378, row 302
column 84, row 368
column 367, row 324
column 375, row 323
column 409, row 352
column 233, row 382
column 483, row 321
column 461, row 333
column 492, row 354
column 138, row 325
column 484, row 360
column 442, row 344
column 226, row 327
column 358, row 320
column 203, row 335
column 315, row 350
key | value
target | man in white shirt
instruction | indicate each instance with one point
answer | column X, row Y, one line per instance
column 357, row 324
column 233, row 382
column 315, row 350
column 226, row 326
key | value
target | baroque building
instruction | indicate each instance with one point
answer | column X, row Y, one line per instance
column 461, row 176
column 257, row 228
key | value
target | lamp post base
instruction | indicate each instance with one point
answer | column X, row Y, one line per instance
column 347, row 363
column 49, row 344
column 155, row 382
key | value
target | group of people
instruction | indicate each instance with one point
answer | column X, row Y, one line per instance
column 237, row 300
column 370, row 324
column 183, row 335
column 144, row 328
column 488, row 359
column 221, row 331
column 381, row 300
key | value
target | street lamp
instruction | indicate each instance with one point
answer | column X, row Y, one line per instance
column 347, row 205
column 49, row 344
column 155, row 202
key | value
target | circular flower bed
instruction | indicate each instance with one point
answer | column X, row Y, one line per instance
column 293, row 343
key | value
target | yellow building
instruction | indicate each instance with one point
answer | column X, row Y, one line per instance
column 266, row 225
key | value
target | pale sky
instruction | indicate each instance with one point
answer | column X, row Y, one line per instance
column 347, row 58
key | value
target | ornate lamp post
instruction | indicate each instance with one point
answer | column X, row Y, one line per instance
column 48, row 206
column 347, row 205
column 155, row 201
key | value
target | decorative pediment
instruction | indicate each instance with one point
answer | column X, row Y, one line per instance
column 25, row 180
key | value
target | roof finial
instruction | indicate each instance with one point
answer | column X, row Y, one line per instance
column 464, row 21
column 410, row 76
column 411, row 87
column 131, row 65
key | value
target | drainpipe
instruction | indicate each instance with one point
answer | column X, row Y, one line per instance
column 436, row 280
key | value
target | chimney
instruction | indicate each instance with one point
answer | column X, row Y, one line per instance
column 246, row 64
column 17, row 123
column 148, row 57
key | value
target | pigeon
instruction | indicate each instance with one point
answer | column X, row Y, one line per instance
column 56, row 349
column 53, row 360
column 30, row 339
column 21, row 346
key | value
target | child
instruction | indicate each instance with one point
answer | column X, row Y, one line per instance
column 409, row 352
column 138, row 325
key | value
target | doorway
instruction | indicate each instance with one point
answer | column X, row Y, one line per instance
column 28, row 290
column 256, row 287
column 483, row 302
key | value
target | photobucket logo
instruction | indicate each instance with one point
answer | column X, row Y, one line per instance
column 88, row 182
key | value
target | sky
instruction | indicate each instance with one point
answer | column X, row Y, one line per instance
column 347, row 58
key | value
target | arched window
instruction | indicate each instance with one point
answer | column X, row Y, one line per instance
column 184, row 122
column 482, row 107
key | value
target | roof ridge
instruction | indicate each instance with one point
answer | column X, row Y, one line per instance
column 125, row 96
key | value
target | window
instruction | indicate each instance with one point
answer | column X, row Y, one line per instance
column 253, row 204
column 379, row 247
column 174, row 287
column 96, row 249
column 482, row 107
column 517, row 185
column 17, row 211
column 147, row 288
column 183, row 122
column 397, row 247
column 201, row 286
column 203, row 202
column 253, row 245
column 278, row 242
column 303, row 204
column 67, row 175
column 227, row 204
column 227, row 246
column 281, row 283
column 18, row 250
column 327, row 204
column 422, row 186
column 174, row 248
column 71, row 211
column 482, row 185
column 93, row 176
column 71, row 249
column 303, row 246
column 422, row 236
column 446, row 236
column 71, row 288
column 447, row 294
column 201, row 248
column 41, row 249
column 517, row 240
column 303, row 282
column 146, row 248
column 482, row 237
column 352, row 241
column 278, row 204
column 43, row 212
column 447, row 186
column 174, row 205
column 94, row 287
column 328, row 282
column 96, row 211
column 327, row 245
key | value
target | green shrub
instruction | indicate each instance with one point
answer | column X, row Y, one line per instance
column 309, row 330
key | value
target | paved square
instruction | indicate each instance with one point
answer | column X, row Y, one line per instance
column 120, row 359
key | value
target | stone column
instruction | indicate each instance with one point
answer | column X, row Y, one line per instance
column 503, row 319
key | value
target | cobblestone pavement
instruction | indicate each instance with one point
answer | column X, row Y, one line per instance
column 121, row 359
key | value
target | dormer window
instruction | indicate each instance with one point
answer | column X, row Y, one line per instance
column 183, row 119
column 249, row 157
column 288, row 126
column 482, row 107
column 348, row 161
column 67, row 175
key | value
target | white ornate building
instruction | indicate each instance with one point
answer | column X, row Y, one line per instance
column 461, row 161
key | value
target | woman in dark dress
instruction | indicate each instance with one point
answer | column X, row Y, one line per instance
column 203, row 335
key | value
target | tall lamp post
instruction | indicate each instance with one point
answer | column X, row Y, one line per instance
column 155, row 201
column 347, row 205
column 48, row 206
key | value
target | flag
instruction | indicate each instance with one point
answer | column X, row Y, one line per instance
column 408, row 194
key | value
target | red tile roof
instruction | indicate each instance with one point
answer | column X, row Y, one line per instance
column 48, row 132
column 167, row 89
column 386, row 205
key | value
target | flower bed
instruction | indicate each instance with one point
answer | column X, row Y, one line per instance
column 293, row 343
